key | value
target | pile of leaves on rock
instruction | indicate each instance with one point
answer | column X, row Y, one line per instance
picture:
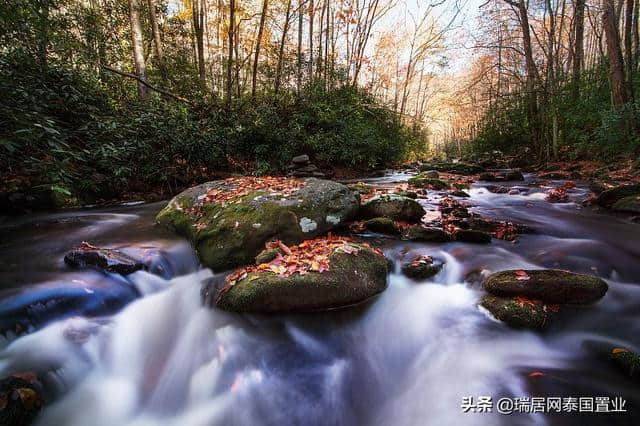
column 308, row 256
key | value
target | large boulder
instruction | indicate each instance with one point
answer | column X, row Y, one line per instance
column 518, row 313
column 229, row 221
column 627, row 361
column 394, row 207
column 548, row 285
column 425, row 234
column 611, row 196
column 383, row 225
column 303, row 281
column 21, row 399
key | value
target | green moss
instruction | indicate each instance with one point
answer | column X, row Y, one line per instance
column 381, row 224
column 627, row 361
column 394, row 207
column 629, row 204
column 350, row 279
column 426, row 182
column 515, row 314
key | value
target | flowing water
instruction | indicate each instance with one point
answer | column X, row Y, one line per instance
column 407, row 358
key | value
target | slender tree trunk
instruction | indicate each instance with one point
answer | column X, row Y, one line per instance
column 578, row 51
column 156, row 38
column 281, row 50
column 636, row 35
column 265, row 5
column 198, row 27
column 628, row 42
column 619, row 94
column 232, row 26
column 299, row 69
column 311, row 16
column 137, row 45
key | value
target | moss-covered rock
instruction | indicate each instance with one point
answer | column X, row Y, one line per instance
column 425, row 234
column 409, row 194
column 383, row 225
column 517, row 313
column 422, row 181
column 629, row 204
column 360, row 188
column 627, row 361
column 555, row 175
column 422, row 267
column 430, row 174
column 456, row 168
column 232, row 233
column 350, row 279
column 461, row 194
column 611, row 196
column 394, row 207
column 548, row 285
column 267, row 255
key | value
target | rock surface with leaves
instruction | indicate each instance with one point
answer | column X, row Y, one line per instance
column 319, row 274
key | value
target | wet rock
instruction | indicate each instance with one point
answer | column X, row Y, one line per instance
column 409, row 194
column 425, row 234
column 430, row 174
column 422, row 181
column 491, row 177
column 555, row 175
column 514, row 192
column 472, row 236
column 394, row 207
column 422, row 267
column 548, row 285
column 627, row 361
column 461, row 194
column 512, row 175
column 627, row 204
column 497, row 189
column 300, row 159
column 383, row 225
column 455, row 168
column 20, row 399
column 350, row 279
column 517, row 313
column 361, row 188
column 597, row 187
column 232, row 232
column 611, row 196
column 108, row 260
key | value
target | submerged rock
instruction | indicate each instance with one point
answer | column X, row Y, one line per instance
column 548, row 285
column 383, row 225
column 108, row 260
column 461, row 194
column 422, row 267
column 394, row 207
column 355, row 273
column 425, row 234
column 229, row 221
column 518, row 313
column 611, row 196
column 20, row 399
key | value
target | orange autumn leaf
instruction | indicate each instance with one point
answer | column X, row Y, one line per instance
column 522, row 276
column 618, row 350
column 536, row 374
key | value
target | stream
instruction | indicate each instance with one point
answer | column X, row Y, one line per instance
column 142, row 350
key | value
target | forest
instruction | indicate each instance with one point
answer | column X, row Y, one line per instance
column 319, row 212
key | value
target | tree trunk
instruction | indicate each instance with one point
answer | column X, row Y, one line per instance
column 628, row 52
column 578, row 51
column 232, row 26
column 198, row 27
column 281, row 51
column 265, row 5
column 299, row 70
column 138, row 51
column 156, row 37
column 616, row 64
column 311, row 13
